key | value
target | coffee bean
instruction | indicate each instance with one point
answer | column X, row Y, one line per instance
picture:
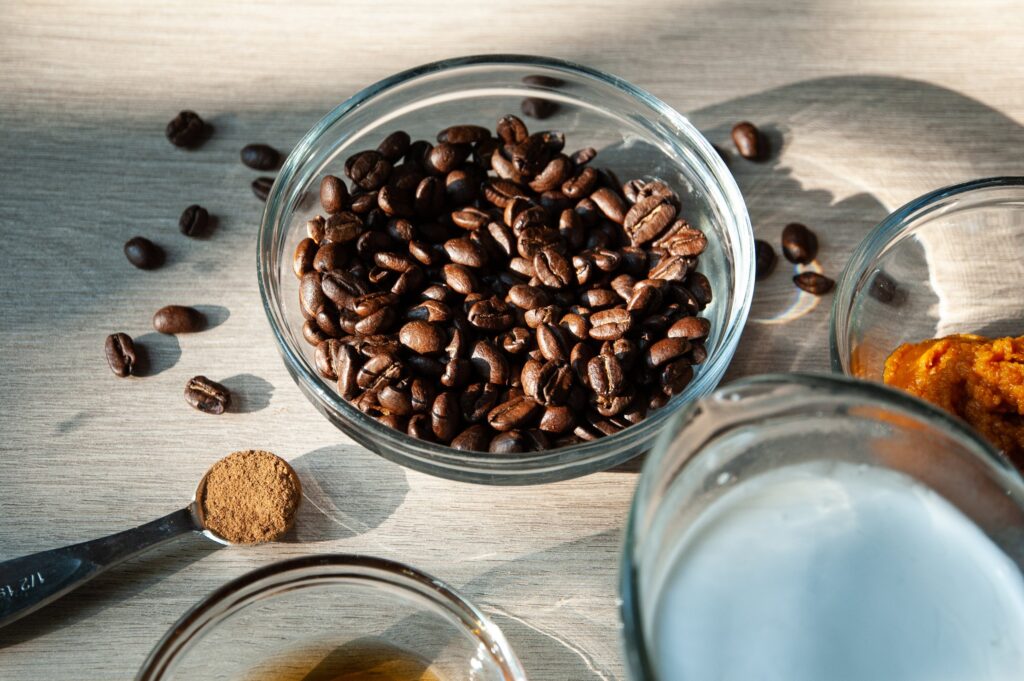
column 261, row 187
column 511, row 442
column 517, row 412
column 423, row 337
column 305, row 255
column 459, row 278
column 538, row 107
column 490, row 314
column 551, row 343
column 463, row 134
column 346, row 367
column 647, row 219
column 812, row 282
column 799, row 244
column 749, row 141
column 465, row 252
column 194, row 221
column 883, row 288
column 333, row 194
column 489, row 363
column 610, row 203
column 666, row 350
column 476, row 438
column 605, row 375
column 675, row 377
column 174, row 319
column 143, row 253
column 368, row 169
column 764, row 259
column 552, row 268
column 120, row 351
column 186, row 129
column 682, row 240
column 394, row 146
column 557, row 419
column 610, row 324
column 311, row 332
column 691, row 328
column 260, row 156
column 444, row 416
column 207, row 396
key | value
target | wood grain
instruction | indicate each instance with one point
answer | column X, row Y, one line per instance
column 870, row 104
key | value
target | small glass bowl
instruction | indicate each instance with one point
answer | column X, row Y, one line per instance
column 635, row 133
column 756, row 426
column 946, row 263
column 316, row 618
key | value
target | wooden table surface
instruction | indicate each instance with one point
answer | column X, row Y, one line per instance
column 875, row 102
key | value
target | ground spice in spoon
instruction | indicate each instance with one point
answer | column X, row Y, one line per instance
column 249, row 497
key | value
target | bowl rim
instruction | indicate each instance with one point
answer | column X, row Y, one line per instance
column 638, row 664
column 877, row 241
column 250, row 587
column 553, row 464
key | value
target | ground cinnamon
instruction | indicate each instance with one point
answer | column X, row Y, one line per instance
column 250, row 497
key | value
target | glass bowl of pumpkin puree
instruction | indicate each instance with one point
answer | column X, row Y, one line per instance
column 932, row 302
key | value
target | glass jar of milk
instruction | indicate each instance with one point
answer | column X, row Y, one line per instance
column 798, row 528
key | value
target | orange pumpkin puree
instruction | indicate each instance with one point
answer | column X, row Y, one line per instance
column 981, row 380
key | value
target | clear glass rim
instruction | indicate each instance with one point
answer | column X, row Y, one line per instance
column 638, row 664
column 553, row 464
column 890, row 229
column 251, row 586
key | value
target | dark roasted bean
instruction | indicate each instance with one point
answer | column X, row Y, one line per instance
column 395, row 401
column 478, row 400
column 305, row 253
column 476, row 438
column 511, row 442
column 459, row 279
column 700, row 287
column 682, row 240
column 648, row 218
column 491, row 314
column 557, row 419
column 518, row 412
column 194, row 221
column 346, row 366
column 605, row 375
column 552, row 343
column 260, row 156
column 764, row 258
column 812, row 282
column 552, row 268
column 489, row 363
column 394, row 146
column 121, row 357
column 463, row 134
column 610, row 324
column 143, row 253
column 691, row 328
column 419, row 427
column 666, row 350
column 676, row 376
column 444, row 416
column 186, row 129
column 423, row 337
column 799, row 244
column 368, row 169
column 528, row 297
column 465, row 252
column 261, row 187
column 207, row 396
column 749, row 141
column 174, row 319
column 315, row 228
column 312, row 333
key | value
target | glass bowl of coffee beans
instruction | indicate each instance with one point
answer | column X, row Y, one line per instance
column 505, row 269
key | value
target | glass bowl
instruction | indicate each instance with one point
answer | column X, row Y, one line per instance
column 636, row 134
column 328, row 618
column 755, row 428
column 946, row 263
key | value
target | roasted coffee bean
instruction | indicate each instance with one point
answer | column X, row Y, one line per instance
column 512, row 130
column 557, row 419
column 812, row 282
column 343, row 227
column 261, row 187
column 610, row 324
column 691, row 328
column 553, row 174
column 260, row 156
column 528, row 297
column 501, row 192
column 682, row 240
column 315, row 228
column 538, row 107
column 174, row 319
column 553, row 383
column 305, row 253
column 644, row 299
column 749, row 141
column 491, row 314
column 648, row 218
column 476, row 438
column 423, row 337
column 346, row 366
column 463, row 134
column 369, row 170
column 444, row 416
column 515, row 341
column 362, row 202
column 330, row 257
column 478, row 400
column 446, row 157
column 333, row 194
column 581, row 184
column 489, row 363
column 207, row 396
column 312, row 333
column 541, row 315
column 326, row 355
column 597, row 298
column 700, row 287
column 419, row 427
column 518, row 412
column 459, row 278
column 466, row 252
column 799, row 244
column 552, row 268
column 511, row 442
column 605, row 375
column 764, row 258
column 186, row 130
column 675, row 377
column 430, row 311
column 610, row 203
column 378, row 371
column 121, row 357
column 377, row 322
column 194, row 221
column 552, row 343
column 394, row 146
column 143, row 253
column 666, row 350
column 395, row 401
column 396, row 202
column 456, row 373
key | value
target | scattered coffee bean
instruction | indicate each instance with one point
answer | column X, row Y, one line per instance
column 260, row 156
column 815, row 283
column 174, row 319
column 261, row 187
column 186, row 129
column 207, row 396
column 538, row 107
column 799, row 244
column 749, row 141
column 492, row 293
column 764, row 258
column 194, row 221
column 120, row 351
column 143, row 253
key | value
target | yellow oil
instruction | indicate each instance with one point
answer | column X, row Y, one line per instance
column 360, row 660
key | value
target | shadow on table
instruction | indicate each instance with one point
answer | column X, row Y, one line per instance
column 249, row 393
column 120, row 584
column 346, row 491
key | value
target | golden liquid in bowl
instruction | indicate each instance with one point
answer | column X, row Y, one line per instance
column 361, row 660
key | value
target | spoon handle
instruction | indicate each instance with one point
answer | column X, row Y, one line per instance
column 32, row 581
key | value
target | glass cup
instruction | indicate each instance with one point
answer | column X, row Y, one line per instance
column 946, row 263
column 757, row 428
column 634, row 133
column 321, row 618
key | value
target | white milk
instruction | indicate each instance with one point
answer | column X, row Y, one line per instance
column 843, row 573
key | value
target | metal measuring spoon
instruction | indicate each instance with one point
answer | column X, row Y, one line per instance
column 30, row 582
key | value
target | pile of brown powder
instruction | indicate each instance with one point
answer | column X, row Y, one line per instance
column 250, row 497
